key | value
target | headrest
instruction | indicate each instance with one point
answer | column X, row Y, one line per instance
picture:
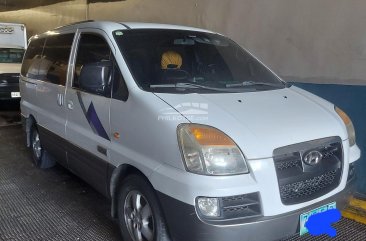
column 171, row 60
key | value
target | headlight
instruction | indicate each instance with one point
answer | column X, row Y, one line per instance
column 348, row 122
column 208, row 151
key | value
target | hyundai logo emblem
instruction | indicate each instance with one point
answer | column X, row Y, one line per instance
column 312, row 158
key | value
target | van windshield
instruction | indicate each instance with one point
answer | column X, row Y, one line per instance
column 179, row 61
column 11, row 55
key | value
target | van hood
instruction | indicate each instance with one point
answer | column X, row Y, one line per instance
column 259, row 122
column 10, row 68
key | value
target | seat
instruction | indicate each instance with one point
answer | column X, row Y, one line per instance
column 171, row 72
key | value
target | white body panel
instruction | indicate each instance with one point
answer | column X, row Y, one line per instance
column 51, row 115
column 264, row 121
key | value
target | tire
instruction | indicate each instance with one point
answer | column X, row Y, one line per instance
column 139, row 214
column 41, row 158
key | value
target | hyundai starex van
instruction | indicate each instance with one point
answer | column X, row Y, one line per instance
column 189, row 135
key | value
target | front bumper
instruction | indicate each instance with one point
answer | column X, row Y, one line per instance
column 184, row 224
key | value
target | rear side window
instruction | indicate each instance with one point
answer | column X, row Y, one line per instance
column 55, row 59
column 32, row 59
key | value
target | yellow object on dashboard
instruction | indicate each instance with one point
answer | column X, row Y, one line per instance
column 171, row 59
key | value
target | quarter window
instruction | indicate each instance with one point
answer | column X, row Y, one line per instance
column 32, row 59
column 119, row 90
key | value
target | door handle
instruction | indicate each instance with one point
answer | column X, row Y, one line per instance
column 70, row 105
column 60, row 99
column 102, row 150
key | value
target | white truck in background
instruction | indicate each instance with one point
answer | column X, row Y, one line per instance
column 13, row 42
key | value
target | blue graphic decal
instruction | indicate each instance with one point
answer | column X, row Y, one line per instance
column 95, row 122
column 321, row 223
column 93, row 119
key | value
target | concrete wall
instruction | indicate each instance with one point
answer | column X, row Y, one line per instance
column 311, row 41
column 41, row 19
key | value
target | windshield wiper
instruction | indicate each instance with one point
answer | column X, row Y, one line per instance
column 250, row 84
column 189, row 86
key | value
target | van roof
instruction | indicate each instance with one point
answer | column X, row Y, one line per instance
column 135, row 25
column 112, row 26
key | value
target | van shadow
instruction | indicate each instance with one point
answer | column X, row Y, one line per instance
column 9, row 113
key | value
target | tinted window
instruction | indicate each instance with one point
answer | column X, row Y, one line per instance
column 32, row 58
column 161, row 60
column 92, row 49
column 55, row 59
column 11, row 55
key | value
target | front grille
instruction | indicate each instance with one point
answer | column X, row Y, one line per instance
column 300, row 182
column 309, row 187
column 296, row 162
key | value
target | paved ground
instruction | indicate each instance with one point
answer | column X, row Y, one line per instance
column 46, row 205
column 55, row 205
column 9, row 113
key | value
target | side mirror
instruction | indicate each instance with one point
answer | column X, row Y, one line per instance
column 96, row 77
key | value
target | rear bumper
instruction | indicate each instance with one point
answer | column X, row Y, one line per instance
column 184, row 224
column 6, row 89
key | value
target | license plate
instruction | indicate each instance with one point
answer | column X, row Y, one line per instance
column 305, row 216
column 15, row 94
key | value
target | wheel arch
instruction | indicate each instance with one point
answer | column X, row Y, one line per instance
column 117, row 177
column 27, row 125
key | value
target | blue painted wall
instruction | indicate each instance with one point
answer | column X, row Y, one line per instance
column 351, row 99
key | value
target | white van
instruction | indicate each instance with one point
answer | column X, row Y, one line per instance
column 189, row 135
column 13, row 42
